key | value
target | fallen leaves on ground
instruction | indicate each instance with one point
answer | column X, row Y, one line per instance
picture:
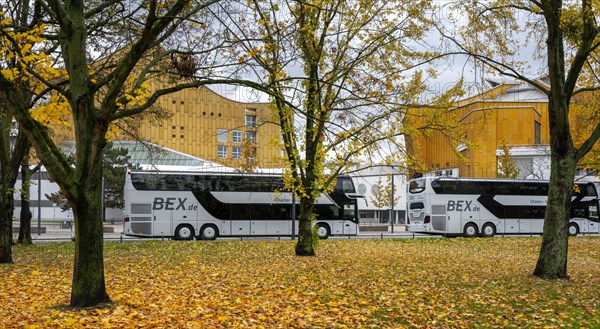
column 422, row 283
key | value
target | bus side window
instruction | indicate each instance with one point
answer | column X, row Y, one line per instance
column 152, row 182
column 202, row 184
column 160, row 184
column 175, row 183
column 221, row 185
column 417, row 205
column 348, row 186
column 326, row 212
column 486, row 188
column 504, row 188
column 538, row 212
column 450, row 188
column 224, row 184
column 349, row 211
column 286, row 212
column 578, row 212
column 593, row 209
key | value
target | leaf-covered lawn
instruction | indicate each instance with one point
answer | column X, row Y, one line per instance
column 427, row 283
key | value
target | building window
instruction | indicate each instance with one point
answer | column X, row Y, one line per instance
column 236, row 136
column 251, row 136
column 538, row 132
column 222, row 135
column 250, row 121
column 222, row 152
column 236, row 152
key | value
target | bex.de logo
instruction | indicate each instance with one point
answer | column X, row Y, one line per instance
column 172, row 204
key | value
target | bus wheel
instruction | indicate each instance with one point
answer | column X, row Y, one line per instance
column 573, row 229
column 209, row 232
column 470, row 230
column 323, row 231
column 488, row 230
column 184, row 232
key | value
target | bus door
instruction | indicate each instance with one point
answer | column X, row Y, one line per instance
column 350, row 219
column 593, row 217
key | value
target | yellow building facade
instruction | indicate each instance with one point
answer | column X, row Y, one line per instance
column 207, row 125
column 514, row 115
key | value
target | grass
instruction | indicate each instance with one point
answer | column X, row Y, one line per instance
column 423, row 283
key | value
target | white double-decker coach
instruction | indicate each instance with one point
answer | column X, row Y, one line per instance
column 486, row 207
column 207, row 205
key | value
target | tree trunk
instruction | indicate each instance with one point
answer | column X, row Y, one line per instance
column 88, row 276
column 6, row 214
column 305, row 245
column 9, row 168
column 25, row 221
column 552, row 261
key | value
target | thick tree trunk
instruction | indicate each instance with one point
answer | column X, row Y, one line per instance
column 88, row 276
column 9, row 171
column 6, row 214
column 305, row 245
column 25, row 215
column 552, row 261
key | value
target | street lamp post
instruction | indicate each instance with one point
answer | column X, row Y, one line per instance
column 293, row 215
column 39, row 201
column 103, row 199
column 392, row 217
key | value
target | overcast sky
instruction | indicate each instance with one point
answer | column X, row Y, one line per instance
column 450, row 69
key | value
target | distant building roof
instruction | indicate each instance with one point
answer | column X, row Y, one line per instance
column 152, row 156
column 144, row 153
column 495, row 82
column 521, row 92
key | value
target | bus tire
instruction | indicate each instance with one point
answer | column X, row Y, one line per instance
column 184, row 232
column 488, row 230
column 209, row 232
column 323, row 231
column 470, row 230
column 573, row 229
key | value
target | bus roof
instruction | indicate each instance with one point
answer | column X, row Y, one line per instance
column 470, row 179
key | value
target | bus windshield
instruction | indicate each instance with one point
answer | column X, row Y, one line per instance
column 416, row 186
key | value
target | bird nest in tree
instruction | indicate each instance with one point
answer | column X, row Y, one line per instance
column 184, row 64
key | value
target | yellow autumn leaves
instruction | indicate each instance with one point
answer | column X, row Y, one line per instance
column 34, row 67
column 25, row 61
column 427, row 283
